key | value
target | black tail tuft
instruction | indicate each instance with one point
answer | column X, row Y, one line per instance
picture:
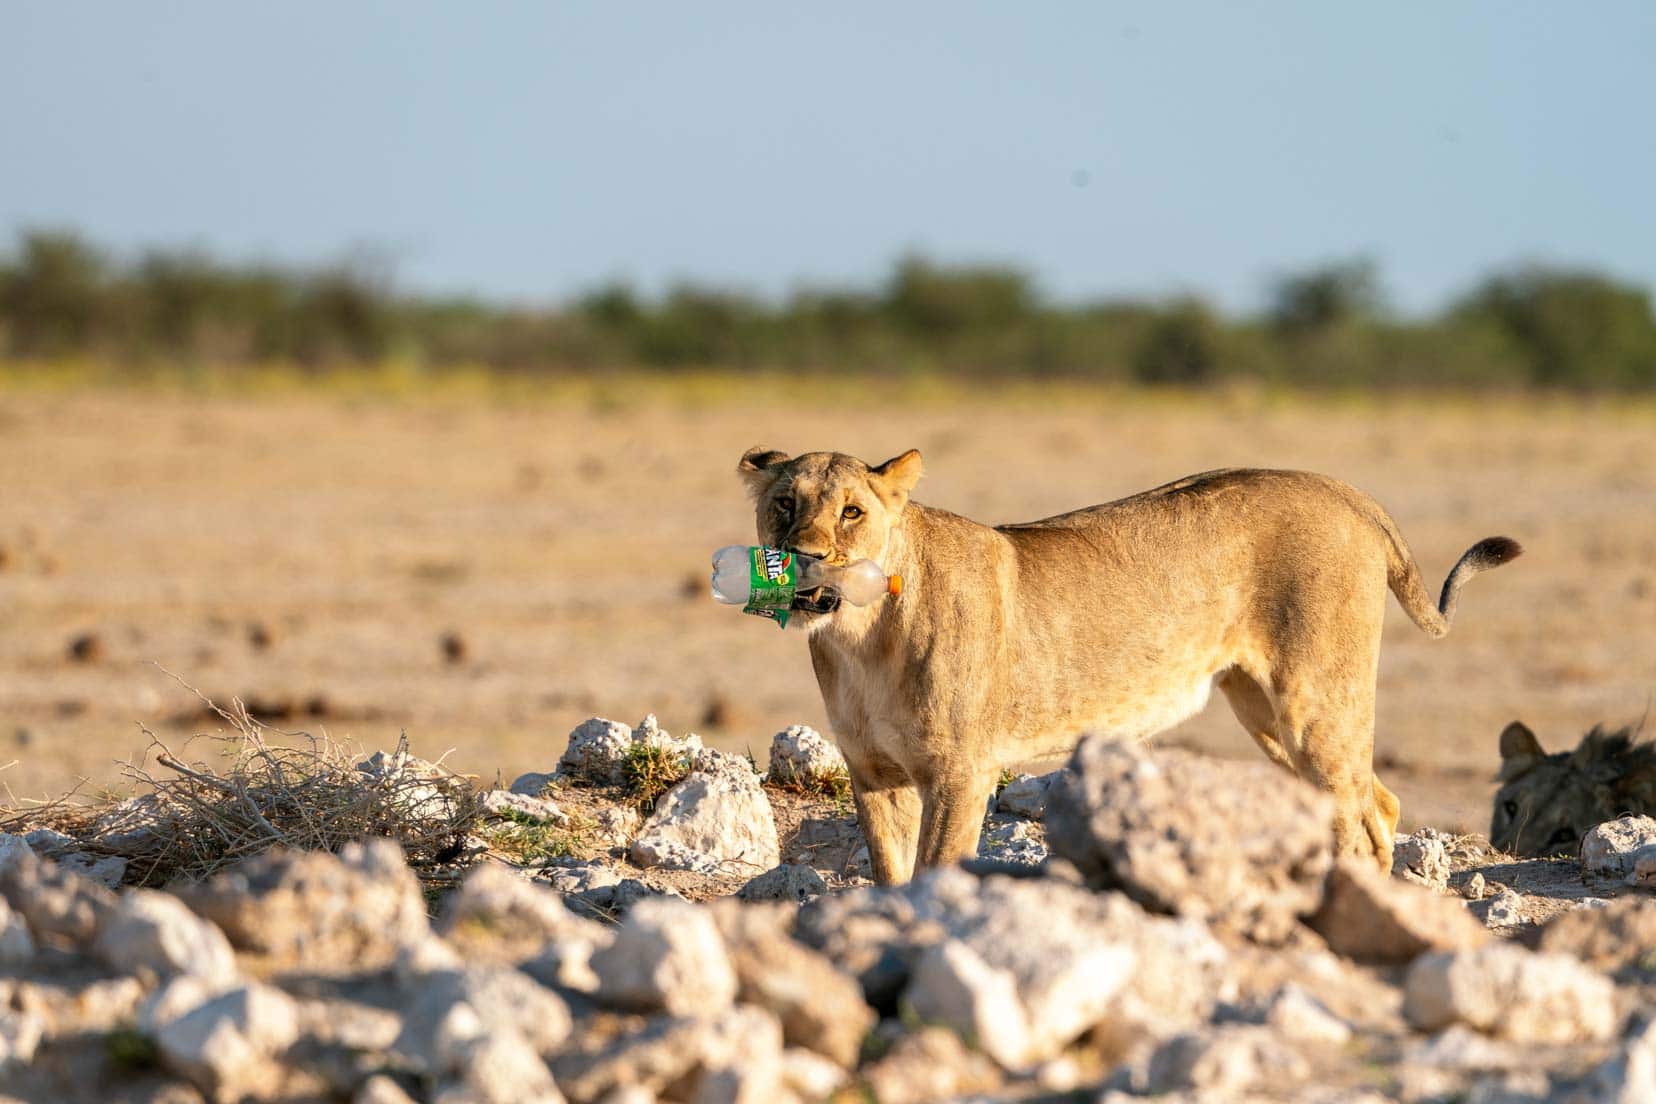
column 1493, row 552
column 1487, row 553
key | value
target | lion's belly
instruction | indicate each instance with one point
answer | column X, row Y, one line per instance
column 1134, row 712
column 1143, row 716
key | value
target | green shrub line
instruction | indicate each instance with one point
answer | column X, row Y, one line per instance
column 1526, row 326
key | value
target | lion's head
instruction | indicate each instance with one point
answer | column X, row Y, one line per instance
column 828, row 504
column 1547, row 802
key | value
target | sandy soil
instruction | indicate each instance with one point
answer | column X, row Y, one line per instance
column 311, row 553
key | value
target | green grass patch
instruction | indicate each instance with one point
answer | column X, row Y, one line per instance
column 835, row 787
column 131, row 1050
column 651, row 770
column 526, row 840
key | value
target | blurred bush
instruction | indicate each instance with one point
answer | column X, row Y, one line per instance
column 1326, row 326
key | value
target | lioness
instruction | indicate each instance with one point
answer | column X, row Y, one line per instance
column 1007, row 643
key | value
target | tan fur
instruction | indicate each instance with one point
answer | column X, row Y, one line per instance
column 1008, row 643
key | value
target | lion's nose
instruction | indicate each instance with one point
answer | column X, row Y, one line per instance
column 807, row 545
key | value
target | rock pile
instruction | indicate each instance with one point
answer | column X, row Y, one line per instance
column 1211, row 950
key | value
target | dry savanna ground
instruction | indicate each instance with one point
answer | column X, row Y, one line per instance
column 486, row 570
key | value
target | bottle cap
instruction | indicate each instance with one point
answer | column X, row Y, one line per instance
column 894, row 584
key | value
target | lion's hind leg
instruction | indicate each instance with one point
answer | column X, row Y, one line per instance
column 1330, row 738
column 1388, row 805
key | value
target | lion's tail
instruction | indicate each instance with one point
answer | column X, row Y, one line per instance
column 1403, row 576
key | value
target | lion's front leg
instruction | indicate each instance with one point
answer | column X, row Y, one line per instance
column 888, row 811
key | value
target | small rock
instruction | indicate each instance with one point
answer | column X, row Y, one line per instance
column 497, row 915
column 1423, row 858
column 1644, row 868
column 819, row 1006
column 930, row 1064
column 1369, row 917
column 1013, row 840
column 225, row 1045
column 494, row 1067
column 20, row 1035
column 1251, row 855
column 810, row 1076
column 1298, row 1015
column 55, row 903
column 800, row 754
column 1225, row 1060
column 752, row 1074
column 329, row 913
column 1505, row 911
column 573, row 876
column 1512, row 1087
column 616, row 825
column 1608, row 850
column 1616, row 938
column 650, row 733
column 879, row 933
column 498, row 999
column 133, row 825
column 666, row 955
column 150, row 930
column 787, row 882
column 1459, row 1047
column 417, row 788
column 953, row 986
column 1023, row 991
column 49, row 844
column 106, row 870
column 15, row 852
column 516, row 806
column 717, row 819
column 1510, row 993
column 1473, row 890
column 349, row 1024
column 669, row 854
column 1025, row 796
column 734, row 1054
column 612, row 902
column 597, row 751
column 172, row 999
column 381, row 1089
column 16, row 944
column 532, row 784
column 1630, row 1076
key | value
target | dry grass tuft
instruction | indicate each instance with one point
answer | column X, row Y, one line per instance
column 188, row 820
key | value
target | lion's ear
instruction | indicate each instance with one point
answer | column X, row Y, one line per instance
column 759, row 468
column 900, row 473
column 1520, row 750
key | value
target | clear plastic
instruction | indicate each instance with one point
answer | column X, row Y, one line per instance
column 861, row 583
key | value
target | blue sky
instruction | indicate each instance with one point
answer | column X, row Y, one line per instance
column 529, row 151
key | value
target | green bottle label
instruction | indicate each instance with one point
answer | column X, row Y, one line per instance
column 773, row 582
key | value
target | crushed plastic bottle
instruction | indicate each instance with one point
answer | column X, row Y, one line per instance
column 765, row 581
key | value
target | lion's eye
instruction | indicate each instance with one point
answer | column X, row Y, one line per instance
column 785, row 504
column 851, row 513
column 1511, row 808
